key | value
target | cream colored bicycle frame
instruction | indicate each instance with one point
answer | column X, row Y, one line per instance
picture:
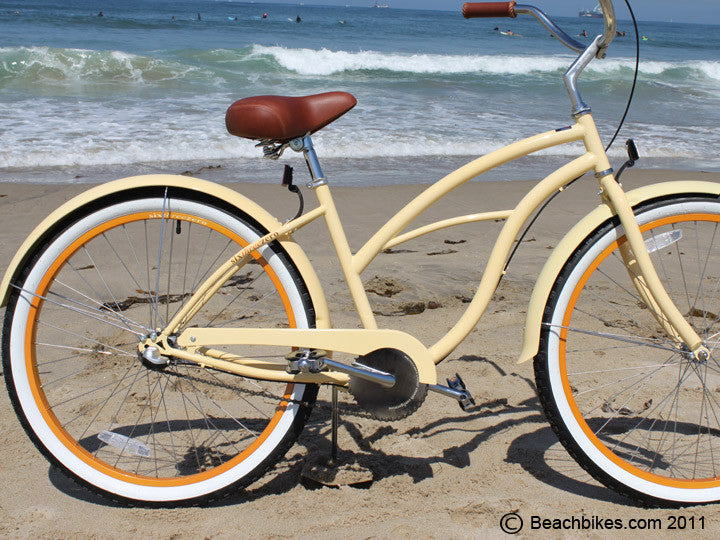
column 193, row 343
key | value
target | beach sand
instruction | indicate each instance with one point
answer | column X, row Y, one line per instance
column 442, row 472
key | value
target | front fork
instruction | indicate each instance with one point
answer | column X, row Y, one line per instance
column 643, row 275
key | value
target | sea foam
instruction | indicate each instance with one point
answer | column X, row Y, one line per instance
column 327, row 62
column 48, row 65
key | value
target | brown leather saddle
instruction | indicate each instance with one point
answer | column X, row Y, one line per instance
column 282, row 118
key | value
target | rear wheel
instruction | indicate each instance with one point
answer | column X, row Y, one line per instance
column 633, row 407
column 132, row 430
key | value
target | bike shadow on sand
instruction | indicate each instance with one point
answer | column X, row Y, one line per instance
column 374, row 448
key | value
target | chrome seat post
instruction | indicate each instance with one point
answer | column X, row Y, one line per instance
column 305, row 145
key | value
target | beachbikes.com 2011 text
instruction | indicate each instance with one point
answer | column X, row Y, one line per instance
column 596, row 523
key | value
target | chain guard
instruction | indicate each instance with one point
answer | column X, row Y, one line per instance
column 396, row 402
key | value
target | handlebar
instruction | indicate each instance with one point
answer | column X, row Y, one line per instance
column 610, row 24
column 473, row 10
column 596, row 49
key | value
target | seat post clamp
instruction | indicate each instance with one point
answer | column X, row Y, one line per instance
column 297, row 144
column 604, row 173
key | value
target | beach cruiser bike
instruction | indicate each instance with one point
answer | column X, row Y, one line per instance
column 165, row 337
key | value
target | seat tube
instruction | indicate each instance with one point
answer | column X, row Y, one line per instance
column 338, row 237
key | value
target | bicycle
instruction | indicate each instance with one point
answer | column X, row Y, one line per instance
column 133, row 369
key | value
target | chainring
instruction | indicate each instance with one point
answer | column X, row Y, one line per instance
column 396, row 402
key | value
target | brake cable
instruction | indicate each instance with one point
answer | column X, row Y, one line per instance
column 612, row 140
column 635, row 76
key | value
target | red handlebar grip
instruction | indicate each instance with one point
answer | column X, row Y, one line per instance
column 473, row 10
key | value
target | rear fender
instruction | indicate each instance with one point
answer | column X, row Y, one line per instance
column 66, row 212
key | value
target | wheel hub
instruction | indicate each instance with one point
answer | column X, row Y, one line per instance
column 150, row 355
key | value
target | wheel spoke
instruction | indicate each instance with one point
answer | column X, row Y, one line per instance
column 645, row 342
column 653, row 412
column 76, row 338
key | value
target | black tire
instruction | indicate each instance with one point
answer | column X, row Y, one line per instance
column 109, row 275
column 635, row 410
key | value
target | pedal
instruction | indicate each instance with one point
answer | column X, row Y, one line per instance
column 306, row 361
column 465, row 400
column 455, row 389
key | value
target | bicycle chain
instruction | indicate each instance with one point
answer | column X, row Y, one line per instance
column 357, row 413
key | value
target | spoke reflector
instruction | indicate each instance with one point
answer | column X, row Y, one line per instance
column 663, row 240
column 124, row 443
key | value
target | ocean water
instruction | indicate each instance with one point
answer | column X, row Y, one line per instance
column 86, row 98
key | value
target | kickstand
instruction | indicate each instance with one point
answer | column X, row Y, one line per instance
column 327, row 471
column 333, row 461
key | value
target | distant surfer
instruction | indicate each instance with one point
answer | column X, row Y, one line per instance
column 583, row 33
column 264, row 15
column 199, row 17
column 101, row 14
column 298, row 19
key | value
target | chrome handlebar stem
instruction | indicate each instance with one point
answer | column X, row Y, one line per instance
column 571, row 76
column 595, row 50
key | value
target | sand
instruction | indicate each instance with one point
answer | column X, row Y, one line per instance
column 442, row 472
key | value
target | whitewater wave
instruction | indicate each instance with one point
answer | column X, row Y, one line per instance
column 33, row 65
column 37, row 67
column 328, row 62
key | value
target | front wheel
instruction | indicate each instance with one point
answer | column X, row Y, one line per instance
column 109, row 276
column 630, row 404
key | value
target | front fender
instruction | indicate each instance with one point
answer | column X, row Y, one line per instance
column 571, row 241
column 243, row 204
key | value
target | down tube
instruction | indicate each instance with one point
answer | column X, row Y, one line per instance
column 503, row 244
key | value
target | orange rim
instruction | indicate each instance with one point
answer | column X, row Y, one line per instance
column 36, row 385
column 645, row 475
